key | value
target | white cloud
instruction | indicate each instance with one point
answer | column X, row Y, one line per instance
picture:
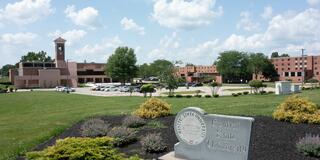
column 186, row 14
column 313, row 2
column 18, row 38
column 25, row 11
column 267, row 12
column 100, row 51
column 71, row 36
column 129, row 24
column 246, row 23
column 87, row 17
column 168, row 45
column 196, row 54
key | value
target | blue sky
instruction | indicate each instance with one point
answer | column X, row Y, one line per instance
column 194, row 31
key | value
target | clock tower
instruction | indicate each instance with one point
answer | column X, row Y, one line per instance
column 60, row 52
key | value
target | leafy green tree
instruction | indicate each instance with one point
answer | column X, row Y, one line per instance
column 284, row 55
column 257, row 62
column 5, row 69
column 147, row 88
column 33, row 56
column 144, row 71
column 122, row 64
column 160, row 67
column 214, row 86
column 269, row 71
column 233, row 66
column 256, row 85
column 274, row 54
column 170, row 79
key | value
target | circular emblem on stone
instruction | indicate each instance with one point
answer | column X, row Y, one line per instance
column 190, row 127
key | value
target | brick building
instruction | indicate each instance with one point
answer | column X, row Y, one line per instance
column 59, row 72
column 199, row 73
column 293, row 68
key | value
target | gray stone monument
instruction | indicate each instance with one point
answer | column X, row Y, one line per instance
column 205, row 136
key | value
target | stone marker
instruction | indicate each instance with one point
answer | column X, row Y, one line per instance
column 205, row 136
column 282, row 87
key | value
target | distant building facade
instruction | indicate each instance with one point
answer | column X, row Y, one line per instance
column 199, row 74
column 293, row 68
column 60, row 72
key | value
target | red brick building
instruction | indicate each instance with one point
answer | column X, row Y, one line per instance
column 293, row 68
column 59, row 72
column 199, row 73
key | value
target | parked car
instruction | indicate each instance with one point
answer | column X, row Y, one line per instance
column 59, row 88
column 68, row 89
column 124, row 89
column 197, row 85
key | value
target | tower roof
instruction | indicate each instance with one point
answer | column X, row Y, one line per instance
column 59, row 40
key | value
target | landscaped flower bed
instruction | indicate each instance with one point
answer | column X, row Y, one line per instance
column 270, row 139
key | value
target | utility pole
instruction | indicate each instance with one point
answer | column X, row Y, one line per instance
column 303, row 69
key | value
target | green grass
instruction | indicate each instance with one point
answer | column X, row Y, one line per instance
column 237, row 89
column 29, row 118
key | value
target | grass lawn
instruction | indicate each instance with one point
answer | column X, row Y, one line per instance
column 237, row 89
column 28, row 118
column 183, row 92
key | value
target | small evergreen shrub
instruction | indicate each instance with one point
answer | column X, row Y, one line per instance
column 297, row 110
column 80, row 148
column 234, row 94
column 199, row 96
column 170, row 96
column 188, row 96
column 309, row 145
column 216, row 95
column 133, row 121
column 155, row 124
column 263, row 92
column 153, row 143
column 239, row 94
column 179, row 96
column 123, row 135
column 245, row 93
column 270, row 92
column 153, row 108
column 94, row 127
column 207, row 96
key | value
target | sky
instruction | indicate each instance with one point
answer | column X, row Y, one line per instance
column 192, row 31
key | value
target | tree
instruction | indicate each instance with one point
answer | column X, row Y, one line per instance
column 5, row 69
column 284, row 55
column 257, row 62
column 233, row 66
column 160, row 67
column 147, row 88
column 32, row 56
column 215, row 86
column 274, row 54
column 170, row 79
column 144, row 71
column 269, row 71
column 256, row 85
column 122, row 64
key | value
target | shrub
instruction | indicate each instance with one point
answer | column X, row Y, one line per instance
column 80, row 148
column 245, row 93
column 147, row 88
column 256, row 85
column 199, row 96
column 155, row 124
column 270, row 92
column 188, row 96
column 170, row 96
column 94, row 127
column 263, row 92
column 297, row 110
column 123, row 135
column 153, row 143
column 239, row 94
column 216, row 95
column 153, row 108
column 179, row 96
column 133, row 121
column 234, row 94
column 309, row 145
column 207, row 96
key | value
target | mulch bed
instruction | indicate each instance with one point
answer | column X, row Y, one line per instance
column 270, row 139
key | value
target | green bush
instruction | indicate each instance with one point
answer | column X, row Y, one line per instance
column 263, row 92
column 199, row 96
column 245, row 93
column 207, row 96
column 133, row 121
column 188, row 96
column 216, row 95
column 312, row 80
column 234, row 94
column 170, row 96
column 309, row 145
column 94, row 127
column 153, row 108
column 80, row 148
column 270, row 92
column 153, row 143
column 155, row 124
column 123, row 135
column 256, row 85
column 147, row 88
column 239, row 94
column 297, row 110
column 179, row 96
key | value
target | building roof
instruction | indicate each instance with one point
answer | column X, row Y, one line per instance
column 59, row 40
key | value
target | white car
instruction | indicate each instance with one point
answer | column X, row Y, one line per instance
column 68, row 89
column 59, row 88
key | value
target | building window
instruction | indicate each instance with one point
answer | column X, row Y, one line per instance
column 286, row 74
column 299, row 74
column 293, row 74
column 317, row 73
column 288, row 68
